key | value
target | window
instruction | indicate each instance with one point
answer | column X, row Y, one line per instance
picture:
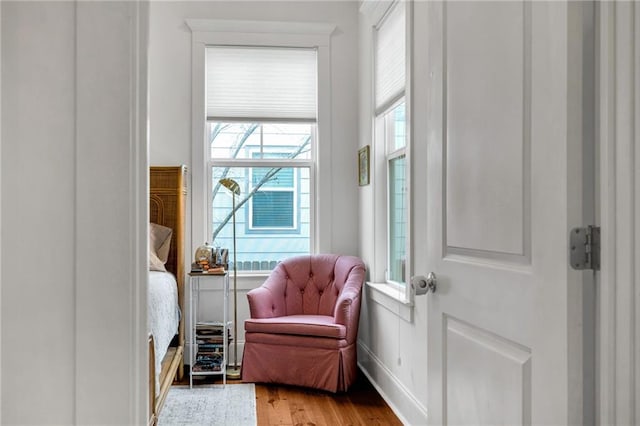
column 259, row 101
column 397, row 198
column 261, row 132
column 391, row 137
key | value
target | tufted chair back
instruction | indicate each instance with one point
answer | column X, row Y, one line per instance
column 308, row 285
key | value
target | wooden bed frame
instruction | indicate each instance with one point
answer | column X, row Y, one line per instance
column 167, row 197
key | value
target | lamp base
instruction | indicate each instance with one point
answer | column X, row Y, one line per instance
column 233, row 372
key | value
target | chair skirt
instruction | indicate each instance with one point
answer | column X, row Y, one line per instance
column 331, row 367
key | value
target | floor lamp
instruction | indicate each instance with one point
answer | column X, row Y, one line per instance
column 234, row 372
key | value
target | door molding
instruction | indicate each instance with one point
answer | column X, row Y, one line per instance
column 111, row 163
column 618, row 343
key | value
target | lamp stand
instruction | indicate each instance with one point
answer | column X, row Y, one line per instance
column 233, row 372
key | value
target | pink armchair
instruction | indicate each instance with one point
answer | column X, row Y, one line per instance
column 304, row 323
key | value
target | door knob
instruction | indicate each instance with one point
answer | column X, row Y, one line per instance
column 422, row 285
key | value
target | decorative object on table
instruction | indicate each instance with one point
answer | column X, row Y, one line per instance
column 222, row 258
column 204, row 258
column 234, row 188
column 363, row 166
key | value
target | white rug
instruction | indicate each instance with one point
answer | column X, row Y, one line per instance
column 212, row 405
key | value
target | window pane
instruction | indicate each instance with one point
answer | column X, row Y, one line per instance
column 286, row 140
column 256, row 141
column 399, row 126
column 233, row 140
column 272, row 214
column 272, row 177
column 397, row 219
column 396, row 132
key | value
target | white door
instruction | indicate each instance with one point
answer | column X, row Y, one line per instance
column 504, row 187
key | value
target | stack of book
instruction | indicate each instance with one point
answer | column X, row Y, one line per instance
column 209, row 339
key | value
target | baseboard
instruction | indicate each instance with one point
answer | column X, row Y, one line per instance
column 402, row 402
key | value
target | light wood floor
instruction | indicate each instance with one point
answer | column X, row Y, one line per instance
column 294, row 406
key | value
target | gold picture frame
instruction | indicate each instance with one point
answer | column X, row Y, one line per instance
column 363, row 166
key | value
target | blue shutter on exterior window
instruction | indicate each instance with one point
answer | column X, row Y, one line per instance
column 273, row 209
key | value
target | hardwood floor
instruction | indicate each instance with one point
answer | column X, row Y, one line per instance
column 294, row 406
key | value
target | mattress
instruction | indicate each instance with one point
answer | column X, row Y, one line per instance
column 163, row 315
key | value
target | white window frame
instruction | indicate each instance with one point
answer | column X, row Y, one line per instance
column 399, row 299
column 210, row 32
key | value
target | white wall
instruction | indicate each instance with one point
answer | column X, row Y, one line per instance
column 73, row 340
column 392, row 351
column 170, row 102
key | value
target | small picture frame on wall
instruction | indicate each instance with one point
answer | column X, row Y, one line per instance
column 363, row 166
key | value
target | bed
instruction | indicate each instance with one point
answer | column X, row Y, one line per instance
column 167, row 196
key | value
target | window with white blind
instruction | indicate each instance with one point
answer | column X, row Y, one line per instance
column 261, row 118
column 391, row 136
column 261, row 83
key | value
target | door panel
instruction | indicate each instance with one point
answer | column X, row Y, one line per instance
column 487, row 106
column 488, row 378
column 504, row 130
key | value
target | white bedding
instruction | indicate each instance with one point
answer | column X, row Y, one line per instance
column 163, row 315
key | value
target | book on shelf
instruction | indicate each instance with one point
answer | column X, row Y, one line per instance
column 212, row 329
column 206, row 367
column 208, row 361
column 210, row 347
column 211, row 339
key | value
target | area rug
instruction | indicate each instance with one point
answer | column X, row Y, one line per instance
column 212, row 405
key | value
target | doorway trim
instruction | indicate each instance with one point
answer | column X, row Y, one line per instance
column 618, row 345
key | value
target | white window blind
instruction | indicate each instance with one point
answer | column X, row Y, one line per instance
column 390, row 57
column 261, row 83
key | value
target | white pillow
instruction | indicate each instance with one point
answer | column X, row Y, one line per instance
column 159, row 245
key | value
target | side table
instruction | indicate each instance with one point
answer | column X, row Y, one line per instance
column 208, row 340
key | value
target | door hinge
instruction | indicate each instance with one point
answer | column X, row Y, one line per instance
column 584, row 244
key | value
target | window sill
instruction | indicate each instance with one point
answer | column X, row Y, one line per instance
column 392, row 299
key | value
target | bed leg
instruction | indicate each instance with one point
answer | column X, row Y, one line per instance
column 152, row 387
column 181, row 371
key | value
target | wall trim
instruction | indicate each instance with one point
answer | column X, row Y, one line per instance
column 0, row 210
column 115, row 132
column 401, row 401
column 269, row 27
column 139, row 188
column 391, row 299
column 618, row 341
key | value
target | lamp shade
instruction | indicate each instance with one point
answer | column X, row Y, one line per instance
column 231, row 185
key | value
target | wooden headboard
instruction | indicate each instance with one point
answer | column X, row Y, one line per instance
column 167, row 201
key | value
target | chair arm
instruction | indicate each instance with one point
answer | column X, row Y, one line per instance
column 261, row 303
column 344, row 306
column 347, row 310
